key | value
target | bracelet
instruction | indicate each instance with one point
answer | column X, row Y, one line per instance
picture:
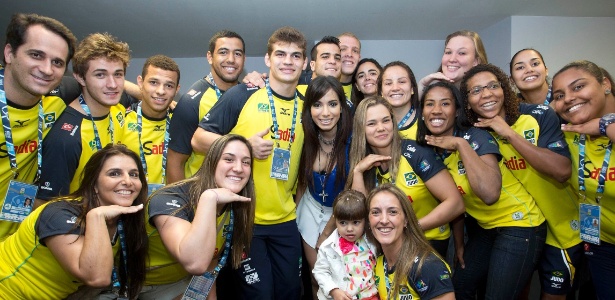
column 605, row 121
column 217, row 198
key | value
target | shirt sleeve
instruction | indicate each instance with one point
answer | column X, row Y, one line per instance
column 482, row 142
column 57, row 218
column 551, row 135
column 224, row 114
column 171, row 202
column 185, row 119
column 68, row 90
column 433, row 280
column 422, row 159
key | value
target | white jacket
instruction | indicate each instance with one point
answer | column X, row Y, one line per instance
column 329, row 270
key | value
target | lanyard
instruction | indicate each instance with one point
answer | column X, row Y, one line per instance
column 275, row 119
column 405, row 118
column 8, row 133
column 164, row 146
column 387, row 281
column 549, row 97
column 603, row 169
column 122, row 238
column 210, row 78
column 85, row 107
column 227, row 244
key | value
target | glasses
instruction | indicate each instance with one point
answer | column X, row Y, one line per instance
column 477, row 90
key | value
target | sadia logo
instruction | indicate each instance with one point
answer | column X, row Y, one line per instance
column 27, row 146
column 410, row 178
column 263, row 107
column 530, row 136
column 149, row 148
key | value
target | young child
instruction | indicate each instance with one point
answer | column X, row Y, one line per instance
column 345, row 265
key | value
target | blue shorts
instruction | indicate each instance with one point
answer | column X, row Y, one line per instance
column 557, row 268
column 601, row 262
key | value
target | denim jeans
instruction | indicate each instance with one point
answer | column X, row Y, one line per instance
column 503, row 257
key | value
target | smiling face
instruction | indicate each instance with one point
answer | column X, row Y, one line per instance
column 367, row 77
column 118, row 182
column 439, row 111
column 37, row 66
column 351, row 54
column 397, row 87
column 285, row 63
column 578, row 96
column 379, row 127
column 459, row 57
column 351, row 230
column 103, row 84
column 489, row 102
column 328, row 61
column 387, row 220
column 158, row 89
column 234, row 167
column 227, row 60
column 326, row 112
column 528, row 71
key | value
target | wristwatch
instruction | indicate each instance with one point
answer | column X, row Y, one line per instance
column 605, row 121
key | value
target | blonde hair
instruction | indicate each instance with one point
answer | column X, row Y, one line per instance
column 359, row 148
column 99, row 45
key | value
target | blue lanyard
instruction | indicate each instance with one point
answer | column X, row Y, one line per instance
column 8, row 133
column 85, row 107
column 603, row 169
column 405, row 118
column 549, row 97
column 275, row 119
column 227, row 244
column 164, row 146
column 387, row 281
column 210, row 78
column 122, row 238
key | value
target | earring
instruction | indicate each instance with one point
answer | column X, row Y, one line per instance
column 422, row 118
column 607, row 91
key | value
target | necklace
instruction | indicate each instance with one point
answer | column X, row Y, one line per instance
column 322, row 174
column 322, row 139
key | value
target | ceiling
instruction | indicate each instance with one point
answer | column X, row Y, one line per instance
column 182, row 28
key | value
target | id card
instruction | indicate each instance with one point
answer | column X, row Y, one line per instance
column 199, row 287
column 152, row 187
column 18, row 201
column 589, row 216
column 280, row 164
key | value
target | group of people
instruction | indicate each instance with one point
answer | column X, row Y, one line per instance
column 363, row 170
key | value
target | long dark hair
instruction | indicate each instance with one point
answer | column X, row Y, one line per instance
column 204, row 179
column 356, row 96
column 317, row 89
column 511, row 101
column 461, row 120
column 134, row 224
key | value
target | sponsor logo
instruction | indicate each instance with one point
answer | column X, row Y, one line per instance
column 134, row 127
column 67, row 127
column 515, row 164
column 28, row 146
column 284, row 111
column 530, row 136
column 206, row 117
column 594, row 173
column 474, row 146
column 421, row 286
column 517, row 216
column 466, row 136
column 20, row 123
column 602, row 147
column 252, row 278
column 283, row 135
column 92, row 144
column 72, row 133
column 461, row 191
column 49, row 119
column 555, row 145
column 54, row 91
column 411, row 149
column 159, row 127
column 543, row 107
column 173, row 203
column 442, row 228
column 193, row 93
column 410, row 199
column 537, row 112
column 72, row 220
column 149, row 148
column 410, row 178
column 558, row 273
column 557, row 279
column 263, row 107
column 424, row 166
column 461, row 170
column 46, row 186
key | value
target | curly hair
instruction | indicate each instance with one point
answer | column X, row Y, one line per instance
column 99, row 45
column 511, row 101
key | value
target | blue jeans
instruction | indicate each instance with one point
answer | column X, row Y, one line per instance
column 503, row 257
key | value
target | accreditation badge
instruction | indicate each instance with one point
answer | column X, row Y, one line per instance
column 18, row 201
column 199, row 286
column 589, row 216
column 153, row 187
column 280, row 164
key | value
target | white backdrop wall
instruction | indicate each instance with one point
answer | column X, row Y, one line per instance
column 559, row 39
